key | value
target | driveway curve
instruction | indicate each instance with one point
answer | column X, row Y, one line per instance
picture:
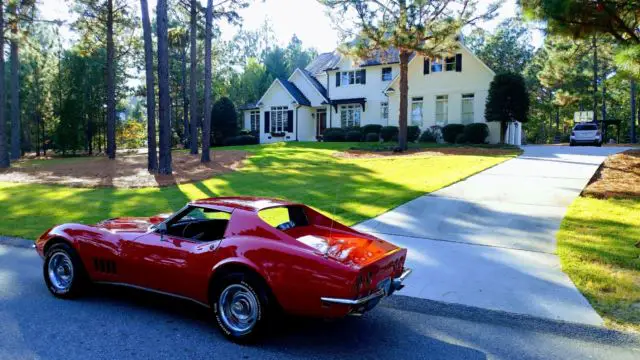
column 489, row 241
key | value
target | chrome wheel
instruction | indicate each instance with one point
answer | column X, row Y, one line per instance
column 60, row 270
column 239, row 308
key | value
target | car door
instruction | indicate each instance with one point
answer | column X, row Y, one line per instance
column 171, row 263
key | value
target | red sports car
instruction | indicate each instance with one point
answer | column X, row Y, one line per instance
column 243, row 257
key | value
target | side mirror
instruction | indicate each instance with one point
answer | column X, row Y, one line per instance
column 161, row 228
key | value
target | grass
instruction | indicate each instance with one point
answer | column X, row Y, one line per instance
column 350, row 190
column 596, row 247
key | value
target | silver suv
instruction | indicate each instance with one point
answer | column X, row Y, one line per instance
column 585, row 133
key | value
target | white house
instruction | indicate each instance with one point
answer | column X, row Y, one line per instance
column 340, row 91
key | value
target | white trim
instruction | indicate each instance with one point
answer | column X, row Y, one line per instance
column 308, row 80
column 270, row 86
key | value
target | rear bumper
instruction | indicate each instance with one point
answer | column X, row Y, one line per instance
column 585, row 141
column 368, row 302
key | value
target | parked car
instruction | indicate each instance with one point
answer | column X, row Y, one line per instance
column 242, row 257
column 585, row 133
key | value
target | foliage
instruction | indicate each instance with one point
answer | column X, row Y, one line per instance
column 371, row 128
column 388, row 132
column 131, row 134
column 333, row 134
column 476, row 133
column 372, row 137
column 241, row 140
column 224, row 121
column 428, row 137
column 508, row 49
column 353, row 136
column 302, row 172
column 508, row 99
column 413, row 132
column 461, row 138
column 451, row 131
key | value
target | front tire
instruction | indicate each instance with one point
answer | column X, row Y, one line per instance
column 241, row 306
column 63, row 272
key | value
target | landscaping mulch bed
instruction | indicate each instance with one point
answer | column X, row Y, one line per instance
column 618, row 176
column 127, row 171
column 479, row 151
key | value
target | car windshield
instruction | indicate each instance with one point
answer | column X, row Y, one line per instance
column 586, row 127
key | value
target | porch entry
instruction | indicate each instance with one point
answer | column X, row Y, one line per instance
column 321, row 121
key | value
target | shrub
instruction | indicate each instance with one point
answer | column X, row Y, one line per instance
column 388, row 132
column 353, row 135
column 372, row 137
column 428, row 137
column 371, row 128
column 224, row 121
column 241, row 140
column 333, row 135
column 413, row 132
column 461, row 138
column 451, row 131
column 244, row 132
column 476, row 133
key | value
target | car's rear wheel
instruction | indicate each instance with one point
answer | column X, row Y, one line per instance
column 571, row 143
column 63, row 271
column 241, row 306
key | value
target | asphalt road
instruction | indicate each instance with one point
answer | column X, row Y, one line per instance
column 114, row 323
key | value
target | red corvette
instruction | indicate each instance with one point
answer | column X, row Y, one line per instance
column 243, row 257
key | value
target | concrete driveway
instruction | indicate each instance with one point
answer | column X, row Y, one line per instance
column 489, row 241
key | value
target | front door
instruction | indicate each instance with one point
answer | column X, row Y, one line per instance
column 321, row 121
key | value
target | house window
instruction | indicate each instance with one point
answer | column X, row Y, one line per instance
column 254, row 117
column 279, row 119
column 350, row 115
column 467, row 108
column 436, row 65
column 450, row 63
column 386, row 74
column 384, row 111
column 352, row 77
column 442, row 110
column 416, row 111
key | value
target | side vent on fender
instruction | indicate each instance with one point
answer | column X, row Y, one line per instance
column 105, row 266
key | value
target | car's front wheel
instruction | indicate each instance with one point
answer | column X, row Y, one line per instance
column 63, row 271
column 241, row 306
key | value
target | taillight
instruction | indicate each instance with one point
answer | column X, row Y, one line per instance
column 598, row 133
column 358, row 285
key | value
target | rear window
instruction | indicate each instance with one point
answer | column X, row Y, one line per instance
column 284, row 217
column 586, row 127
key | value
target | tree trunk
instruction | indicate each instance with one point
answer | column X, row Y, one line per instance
column 186, row 135
column 404, row 102
column 632, row 130
column 4, row 150
column 111, row 88
column 206, row 122
column 164, row 101
column 152, row 157
column 15, row 87
column 193, row 78
column 595, row 79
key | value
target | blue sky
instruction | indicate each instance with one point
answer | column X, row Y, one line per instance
column 305, row 18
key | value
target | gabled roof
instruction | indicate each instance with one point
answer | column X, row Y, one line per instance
column 329, row 61
column 323, row 62
column 295, row 92
column 316, row 84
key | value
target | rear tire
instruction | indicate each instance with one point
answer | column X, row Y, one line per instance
column 63, row 272
column 241, row 306
column 571, row 143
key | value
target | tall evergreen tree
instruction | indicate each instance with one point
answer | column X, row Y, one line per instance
column 164, row 101
column 4, row 150
column 206, row 126
column 152, row 158
column 193, row 76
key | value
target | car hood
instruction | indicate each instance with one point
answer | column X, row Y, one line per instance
column 131, row 224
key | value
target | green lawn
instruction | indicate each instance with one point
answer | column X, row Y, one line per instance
column 596, row 248
column 351, row 190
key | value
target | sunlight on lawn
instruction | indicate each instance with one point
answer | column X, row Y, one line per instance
column 350, row 190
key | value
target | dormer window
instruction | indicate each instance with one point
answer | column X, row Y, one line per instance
column 436, row 65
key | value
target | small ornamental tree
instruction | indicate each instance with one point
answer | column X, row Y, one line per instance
column 507, row 100
column 224, row 121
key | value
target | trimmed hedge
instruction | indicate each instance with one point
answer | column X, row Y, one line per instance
column 461, row 138
column 372, row 137
column 450, row 132
column 241, row 140
column 353, row 135
column 387, row 133
column 371, row 128
column 476, row 133
column 413, row 132
column 334, row 135
column 428, row 137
